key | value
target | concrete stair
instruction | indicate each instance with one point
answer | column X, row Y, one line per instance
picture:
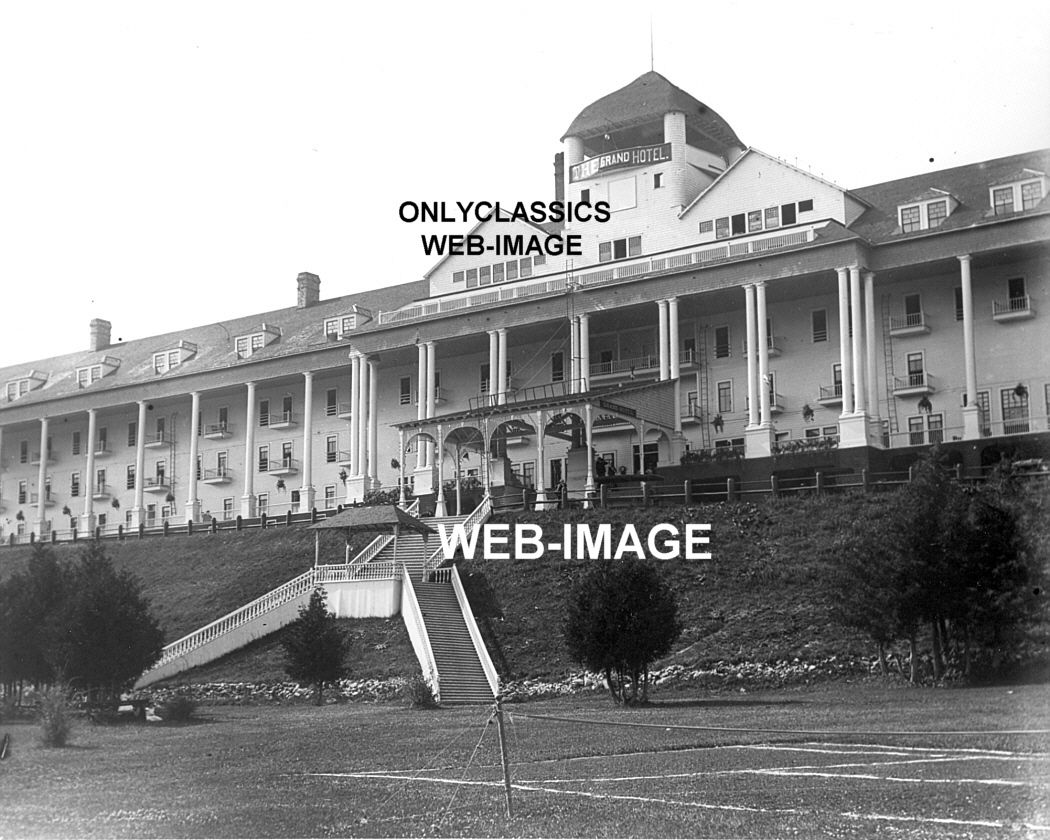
column 461, row 674
column 412, row 551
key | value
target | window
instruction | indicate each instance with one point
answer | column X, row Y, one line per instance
column 725, row 397
column 241, row 346
column 820, row 325
column 329, row 496
column 1031, row 194
column 1003, row 200
column 1015, row 290
column 286, row 409
column 76, row 443
column 916, row 370
column 722, row 227
column 539, row 259
column 737, row 223
column 331, row 407
column 227, row 508
column 88, row 375
column 958, row 303
column 160, row 470
column 1015, row 411
column 485, row 275
column 913, row 310
column 472, row 278
column 457, row 276
column 264, row 412
column 262, row 504
column 805, row 206
column 658, row 180
column 707, row 227
column 100, row 481
column 936, row 213
column 558, row 367
column 132, row 434
column 512, row 270
column 619, row 249
column 650, row 458
column 926, row 428
column 165, row 361
column 264, row 458
column 160, row 428
column 787, row 214
column 286, row 454
column 129, row 477
column 483, row 378
column 984, row 411
column 331, row 326
column 74, row 484
column 23, row 452
column 754, row 221
column 222, row 463
column 911, row 219
column 585, row 196
column 772, row 217
column 405, row 397
column 23, row 492
column 331, row 451
column 722, row 345
column 497, row 273
column 199, row 467
column 525, row 471
column 257, row 342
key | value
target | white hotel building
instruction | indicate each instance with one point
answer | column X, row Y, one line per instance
column 736, row 317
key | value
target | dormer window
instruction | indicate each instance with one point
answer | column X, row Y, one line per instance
column 248, row 345
column 168, row 359
column 89, row 374
column 1024, row 191
column 336, row 328
column 926, row 212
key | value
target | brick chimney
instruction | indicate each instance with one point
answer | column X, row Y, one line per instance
column 559, row 176
column 309, row 289
column 100, row 333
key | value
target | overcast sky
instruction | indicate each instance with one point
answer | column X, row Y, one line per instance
column 165, row 165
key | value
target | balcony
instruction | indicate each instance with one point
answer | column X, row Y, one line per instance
column 286, row 466
column 34, row 499
column 102, row 450
column 692, row 413
column 284, row 420
column 156, row 484
column 915, row 384
column 911, row 323
column 1013, row 309
column 218, row 431
column 830, row 394
column 624, row 367
column 101, row 493
column 772, row 346
column 36, row 458
column 157, row 441
column 345, row 411
column 688, row 359
column 343, row 458
column 776, row 403
column 219, row 475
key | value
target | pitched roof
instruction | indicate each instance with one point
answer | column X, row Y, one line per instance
column 647, row 98
column 968, row 184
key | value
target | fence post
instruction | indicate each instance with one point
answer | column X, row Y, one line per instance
column 730, row 489
column 687, row 493
column 98, row 532
column 864, row 480
column 54, row 536
column 189, row 527
column 240, row 522
column 911, row 474
column 120, row 533
column 313, row 515
column 288, row 517
column 820, row 483
column 262, row 521
column 774, row 485
column 10, row 539
column 214, row 525
column 165, row 527
column 645, row 494
column 958, row 472
column 32, row 537
column 75, row 534
column 602, row 488
column 142, row 530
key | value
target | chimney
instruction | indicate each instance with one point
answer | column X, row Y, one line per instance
column 559, row 176
column 100, row 333
column 309, row 289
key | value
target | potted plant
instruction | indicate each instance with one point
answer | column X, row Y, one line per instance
column 21, row 517
column 807, row 413
column 1021, row 391
column 169, row 498
column 280, row 484
column 116, row 504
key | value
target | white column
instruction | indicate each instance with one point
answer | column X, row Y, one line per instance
column 361, row 418
column 969, row 348
column 89, row 477
column 541, row 480
column 421, row 400
column 439, row 504
column 306, row 491
column 585, row 352
column 574, row 355
column 140, row 466
column 502, row 346
column 192, row 504
column 41, row 482
column 860, row 399
column 401, row 467
column 845, row 356
column 355, row 399
column 589, row 428
column 493, row 366
column 752, row 355
column 373, row 421
column 431, row 405
column 675, row 370
column 250, row 456
column 765, row 418
column 869, row 336
column 665, row 367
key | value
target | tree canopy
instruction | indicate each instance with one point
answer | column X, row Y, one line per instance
column 315, row 646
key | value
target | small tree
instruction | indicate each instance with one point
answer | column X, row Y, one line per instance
column 315, row 647
column 621, row 617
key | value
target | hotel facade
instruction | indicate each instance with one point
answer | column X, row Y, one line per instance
column 735, row 316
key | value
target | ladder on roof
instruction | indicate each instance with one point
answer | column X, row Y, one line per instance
column 887, row 361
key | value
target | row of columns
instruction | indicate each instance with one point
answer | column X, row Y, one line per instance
column 498, row 382
column 364, row 419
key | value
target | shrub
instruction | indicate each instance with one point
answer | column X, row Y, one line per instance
column 55, row 721
column 418, row 693
column 178, row 708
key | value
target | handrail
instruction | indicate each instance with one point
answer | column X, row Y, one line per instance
column 264, row 603
column 417, row 634
column 475, row 633
column 373, row 549
column 477, row 517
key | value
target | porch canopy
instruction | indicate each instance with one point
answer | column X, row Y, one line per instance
column 380, row 519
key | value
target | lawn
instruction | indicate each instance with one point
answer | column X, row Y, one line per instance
column 385, row 770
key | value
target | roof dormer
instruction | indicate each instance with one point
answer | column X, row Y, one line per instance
column 17, row 388
column 340, row 326
column 165, row 360
column 1021, row 191
column 89, row 374
column 251, row 343
column 925, row 211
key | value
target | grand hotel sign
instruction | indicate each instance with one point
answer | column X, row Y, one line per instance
column 620, row 159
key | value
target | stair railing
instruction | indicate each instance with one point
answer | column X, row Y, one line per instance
column 475, row 633
column 417, row 634
column 264, row 603
column 372, row 550
column 477, row 518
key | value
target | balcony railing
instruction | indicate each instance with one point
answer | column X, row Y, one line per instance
column 101, row 492
column 346, row 410
column 910, row 323
column 218, row 431
column 156, row 484
column 701, row 256
column 217, row 475
column 772, row 346
column 1013, row 309
column 918, row 382
column 34, row 499
column 157, row 440
column 36, row 457
column 102, row 450
column 286, row 466
column 283, row 420
column 830, row 394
